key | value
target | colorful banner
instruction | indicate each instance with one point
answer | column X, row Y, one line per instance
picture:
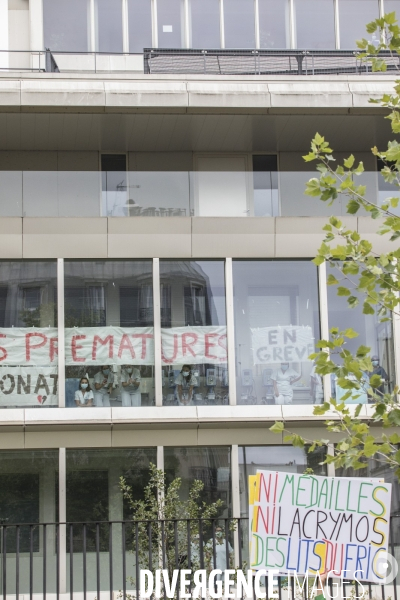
column 282, row 344
column 28, row 386
column 304, row 523
column 112, row 345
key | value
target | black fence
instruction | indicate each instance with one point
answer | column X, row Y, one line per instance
column 54, row 559
column 260, row 62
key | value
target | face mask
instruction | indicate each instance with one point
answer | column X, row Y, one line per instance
column 106, row 371
column 185, row 373
column 84, row 386
column 284, row 367
column 129, row 370
column 375, row 363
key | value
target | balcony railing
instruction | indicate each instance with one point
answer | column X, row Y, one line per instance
column 101, row 558
column 168, row 194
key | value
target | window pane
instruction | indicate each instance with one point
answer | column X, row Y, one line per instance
column 315, row 24
column 211, row 465
column 66, row 25
column 108, row 17
column 109, row 333
column 204, row 24
column 274, row 23
column 170, row 23
column 139, row 21
column 353, row 17
column 193, row 323
column 239, row 24
column 276, row 325
column 265, row 185
column 28, row 322
column 387, row 190
column 377, row 336
column 392, row 6
column 114, row 185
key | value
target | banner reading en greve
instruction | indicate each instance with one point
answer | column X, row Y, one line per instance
column 293, row 343
column 305, row 524
column 112, row 345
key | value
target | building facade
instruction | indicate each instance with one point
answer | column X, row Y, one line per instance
column 156, row 223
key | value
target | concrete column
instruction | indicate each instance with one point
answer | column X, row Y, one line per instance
column 35, row 24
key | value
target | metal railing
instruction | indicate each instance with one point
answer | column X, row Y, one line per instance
column 260, row 62
column 85, row 558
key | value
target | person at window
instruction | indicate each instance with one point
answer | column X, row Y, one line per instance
column 377, row 369
column 185, row 383
column 283, row 379
column 316, row 388
column 84, row 395
column 130, row 379
column 103, row 382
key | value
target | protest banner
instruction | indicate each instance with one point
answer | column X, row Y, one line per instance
column 305, row 524
column 28, row 386
column 112, row 345
column 282, row 344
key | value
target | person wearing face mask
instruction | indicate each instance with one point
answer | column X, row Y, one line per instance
column 283, row 379
column 103, row 382
column 130, row 379
column 378, row 370
column 185, row 383
column 84, row 396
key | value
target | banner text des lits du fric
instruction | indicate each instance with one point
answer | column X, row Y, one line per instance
column 309, row 524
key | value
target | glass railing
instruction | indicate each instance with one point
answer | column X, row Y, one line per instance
column 169, row 194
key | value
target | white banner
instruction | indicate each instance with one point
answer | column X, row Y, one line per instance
column 282, row 344
column 112, row 345
column 306, row 523
column 28, row 386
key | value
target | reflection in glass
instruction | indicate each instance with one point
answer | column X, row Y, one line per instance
column 66, row 25
column 315, row 24
column 274, row 24
column 170, row 19
column 239, row 24
column 265, row 185
column 204, row 19
column 109, row 332
column 114, row 185
column 28, row 322
column 108, row 21
column 351, row 26
column 377, row 336
column 387, row 190
column 211, row 465
column 193, row 322
column 276, row 325
column 139, row 23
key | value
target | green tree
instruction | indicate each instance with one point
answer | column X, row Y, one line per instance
column 359, row 272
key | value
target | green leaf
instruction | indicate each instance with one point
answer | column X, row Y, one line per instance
column 367, row 309
column 277, row 427
column 349, row 162
column 332, row 280
column 343, row 291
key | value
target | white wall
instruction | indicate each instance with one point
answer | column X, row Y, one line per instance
column 3, row 33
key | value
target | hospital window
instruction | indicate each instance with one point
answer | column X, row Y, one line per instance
column 265, row 185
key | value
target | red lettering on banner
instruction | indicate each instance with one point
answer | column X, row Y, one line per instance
column 108, row 340
column 3, row 350
column 126, row 344
column 29, row 346
column 170, row 360
column 209, row 344
column 220, row 339
column 187, row 345
column 75, row 347
column 53, row 348
column 144, row 337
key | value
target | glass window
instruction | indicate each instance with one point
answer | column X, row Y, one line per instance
column 239, row 24
column 170, row 18
column 108, row 21
column 109, row 333
column 211, row 465
column 193, row 322
column 66, row 25
column 28, row 334
column 204, row 24
column 353, row 17
column 315, row 24
column 274, row 23
column 114, row 185
column 387, row 190
column 276, row 325
column 265, row 185
column 392, row 6
column 139, row 22
column 377, row 336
